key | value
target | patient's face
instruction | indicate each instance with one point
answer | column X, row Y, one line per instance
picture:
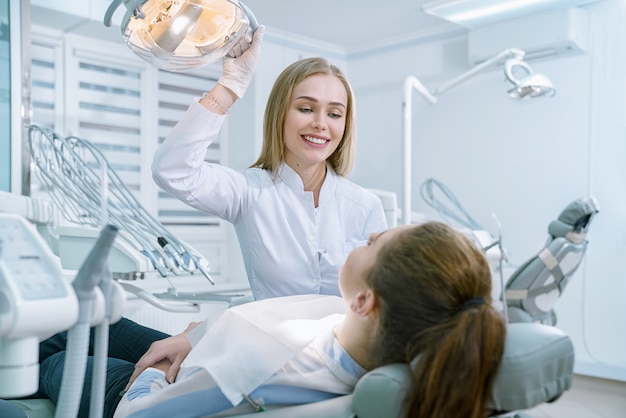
column 361, row 259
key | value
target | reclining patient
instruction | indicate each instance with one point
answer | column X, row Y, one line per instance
column 413, row 290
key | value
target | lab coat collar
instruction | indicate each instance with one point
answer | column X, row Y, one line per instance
column 293, row 180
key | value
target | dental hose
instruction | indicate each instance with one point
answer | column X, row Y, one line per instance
column 87, row 278
column 75, row 363
column 98, row 388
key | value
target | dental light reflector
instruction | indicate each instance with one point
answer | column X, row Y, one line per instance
column 177, row 35
column 528, row 84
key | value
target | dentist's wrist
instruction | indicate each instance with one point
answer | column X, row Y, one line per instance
column 211, row 103
column 218, row 100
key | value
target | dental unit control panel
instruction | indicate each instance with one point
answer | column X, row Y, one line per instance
column 35, row 303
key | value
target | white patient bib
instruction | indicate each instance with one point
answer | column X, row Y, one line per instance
column 250, row 342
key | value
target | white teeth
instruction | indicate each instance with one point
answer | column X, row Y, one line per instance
column 315, row 140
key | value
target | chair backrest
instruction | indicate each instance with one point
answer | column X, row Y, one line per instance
column 537, row 367
column 533, row 289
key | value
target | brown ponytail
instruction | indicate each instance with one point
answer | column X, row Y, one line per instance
column 455, row 373
column 434, row 291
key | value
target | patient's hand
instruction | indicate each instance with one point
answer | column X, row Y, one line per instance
column 163, row 365
column 167, row 355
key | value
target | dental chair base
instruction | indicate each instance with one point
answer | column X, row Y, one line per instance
column 537, row 367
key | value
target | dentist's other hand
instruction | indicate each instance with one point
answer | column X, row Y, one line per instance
column 238, row 72
column 172, row 350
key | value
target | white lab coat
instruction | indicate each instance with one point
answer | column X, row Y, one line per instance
column 288, row 245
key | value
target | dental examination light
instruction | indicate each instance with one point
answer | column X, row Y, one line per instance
column 177, row 35
column 525, row 83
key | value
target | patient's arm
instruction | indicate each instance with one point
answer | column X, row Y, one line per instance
column 166, row 355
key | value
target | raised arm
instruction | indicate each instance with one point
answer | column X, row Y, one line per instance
column 178, row 165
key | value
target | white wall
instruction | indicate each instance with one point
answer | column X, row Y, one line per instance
column 522, row 162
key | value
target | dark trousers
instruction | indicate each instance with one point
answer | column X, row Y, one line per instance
column 128, row 341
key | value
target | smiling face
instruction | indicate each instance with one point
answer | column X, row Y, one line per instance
column 315, row 121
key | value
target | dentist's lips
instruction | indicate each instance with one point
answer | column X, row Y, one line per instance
column 315, row 140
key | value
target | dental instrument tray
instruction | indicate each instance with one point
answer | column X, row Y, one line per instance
column 88, row 193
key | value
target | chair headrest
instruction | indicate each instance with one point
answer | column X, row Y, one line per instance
column 575, row 218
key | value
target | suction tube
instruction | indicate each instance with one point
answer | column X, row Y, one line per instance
column 88, row 277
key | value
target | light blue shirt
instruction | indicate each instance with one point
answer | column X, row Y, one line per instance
column 288, row 245
column 322, row 370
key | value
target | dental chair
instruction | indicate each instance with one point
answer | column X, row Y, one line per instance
column 537, row 367
column 533, row 289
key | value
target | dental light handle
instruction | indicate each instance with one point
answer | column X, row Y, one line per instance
column 88, row 277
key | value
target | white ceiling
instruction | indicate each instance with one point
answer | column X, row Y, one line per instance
column 353, row 24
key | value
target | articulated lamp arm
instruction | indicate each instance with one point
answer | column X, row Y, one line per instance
column 507, row 54
column 411, row 83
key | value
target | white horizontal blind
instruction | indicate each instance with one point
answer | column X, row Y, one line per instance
column 104, row 106
column 45, row 83
column 176, row 91
column 46, row 97
column 203, row 232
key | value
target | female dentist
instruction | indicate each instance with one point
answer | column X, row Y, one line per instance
column 296, row 215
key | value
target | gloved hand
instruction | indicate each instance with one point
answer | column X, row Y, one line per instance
column 237, row 72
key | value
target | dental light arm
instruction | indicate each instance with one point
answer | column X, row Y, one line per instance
column 514, row 53
column 529, row 86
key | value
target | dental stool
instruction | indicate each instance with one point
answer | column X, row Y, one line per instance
column 537, row 367
column 533, row 289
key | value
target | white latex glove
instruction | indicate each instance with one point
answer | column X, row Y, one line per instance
column 238, row 72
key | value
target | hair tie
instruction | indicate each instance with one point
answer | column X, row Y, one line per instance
column 472, row 303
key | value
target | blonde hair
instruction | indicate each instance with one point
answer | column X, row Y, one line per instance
column 272, row 152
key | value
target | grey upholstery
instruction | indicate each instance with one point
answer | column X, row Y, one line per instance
column 533, row 289
column 537, row 367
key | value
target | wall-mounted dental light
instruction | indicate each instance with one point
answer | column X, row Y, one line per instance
column 177, row 35
column 525, row 85
column 475, row 13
